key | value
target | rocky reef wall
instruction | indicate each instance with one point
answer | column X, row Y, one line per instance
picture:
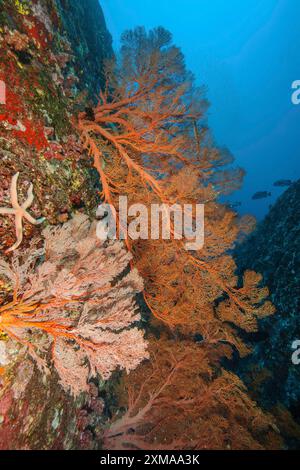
column 51, row 65
column 274, row 250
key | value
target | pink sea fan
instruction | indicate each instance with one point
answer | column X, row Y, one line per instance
column 75, row 297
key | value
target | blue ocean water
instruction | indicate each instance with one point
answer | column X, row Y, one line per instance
column 246, row 53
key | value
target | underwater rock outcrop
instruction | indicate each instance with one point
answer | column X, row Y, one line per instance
column 274, row 250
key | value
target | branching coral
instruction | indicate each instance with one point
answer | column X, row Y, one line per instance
column 148, row 142
column 179, row 401
column 70, row 297
column 147, row 115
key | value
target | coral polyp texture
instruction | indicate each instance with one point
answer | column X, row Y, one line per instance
column 75, row 303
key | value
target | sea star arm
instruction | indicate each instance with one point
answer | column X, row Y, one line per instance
column 7, row 210
column 29, row 199
column 27, row 204
column 19, row 233
column 32, row 220
column 14, row 191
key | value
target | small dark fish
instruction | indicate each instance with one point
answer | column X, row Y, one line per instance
column 261, row 195
column 233, row 205
column 282, row 183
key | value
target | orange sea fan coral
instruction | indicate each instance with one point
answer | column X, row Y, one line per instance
column 148, row 142
column 179, row 400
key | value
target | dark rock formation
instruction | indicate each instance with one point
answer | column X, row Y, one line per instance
column 84, row 26
column 274, row 250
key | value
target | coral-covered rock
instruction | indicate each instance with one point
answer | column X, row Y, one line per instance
column 50, row 51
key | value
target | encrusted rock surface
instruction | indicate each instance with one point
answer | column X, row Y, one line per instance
column 274, row 250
